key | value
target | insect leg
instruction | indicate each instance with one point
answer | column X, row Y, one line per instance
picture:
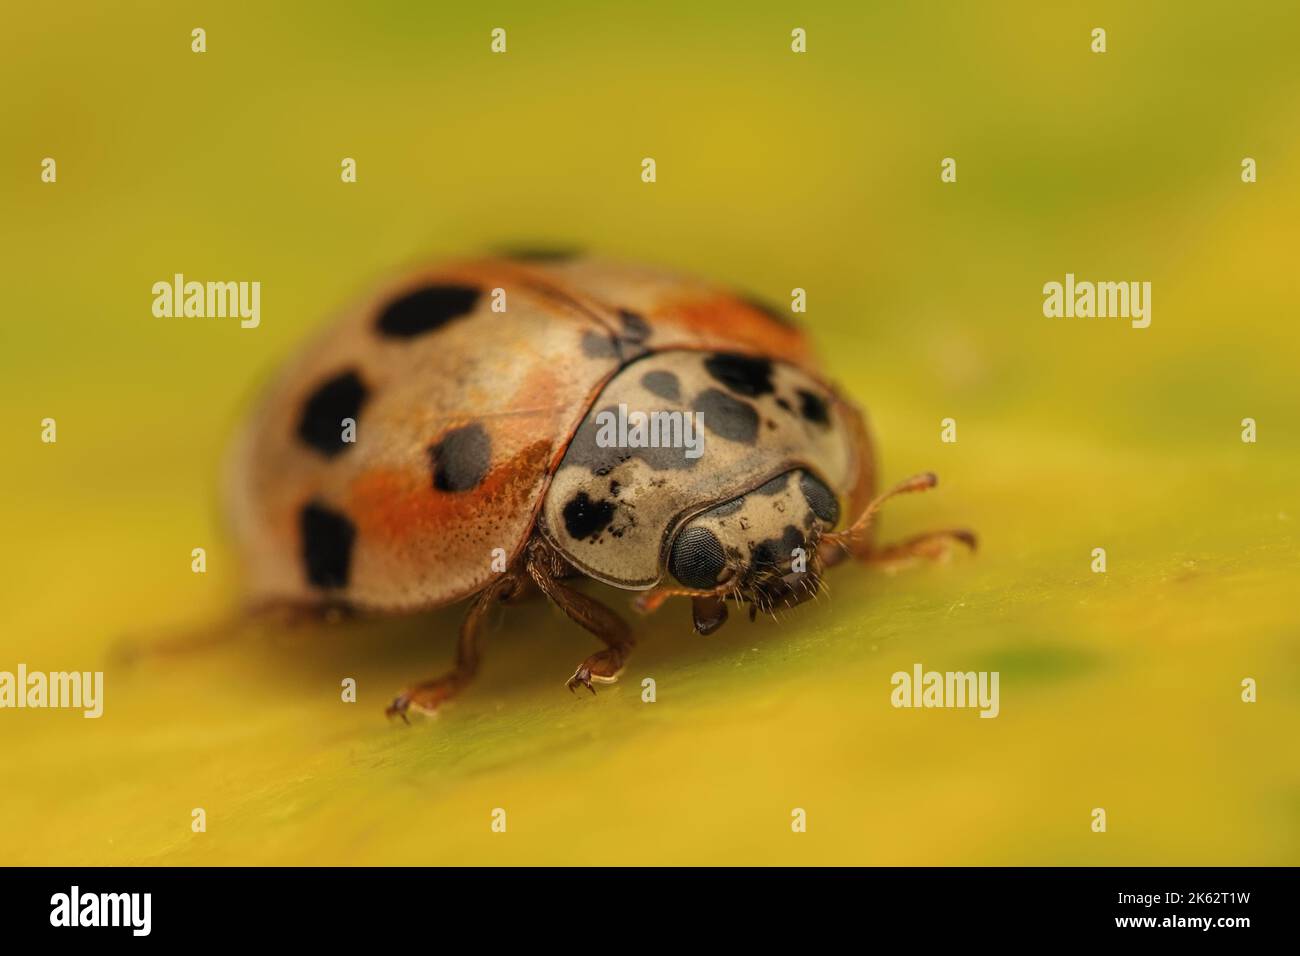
column 195, row 640
column 603, row 667
column 429, row 695
column 932, row 545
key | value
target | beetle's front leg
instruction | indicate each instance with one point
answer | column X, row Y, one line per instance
column 603, row 667
column 930, row 545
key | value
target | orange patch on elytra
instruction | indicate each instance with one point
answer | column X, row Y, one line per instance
column 396, row 504
column 727, row 321
column 539, row 386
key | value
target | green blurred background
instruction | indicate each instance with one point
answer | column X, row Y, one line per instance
column 775, row 170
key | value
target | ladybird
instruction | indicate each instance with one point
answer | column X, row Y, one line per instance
column 442, row 443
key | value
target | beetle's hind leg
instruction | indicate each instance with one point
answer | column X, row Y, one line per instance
column 429, row 695
column 132, row 649
column 603, row 667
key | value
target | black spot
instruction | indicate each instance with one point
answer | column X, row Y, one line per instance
column 584, row 518
column 624, row 345
column 819, row 499
column 743, row 374
column 461, row 458
column 728, row 417
column 540, row 253
column 763, row 555
column 775, row 486
column 697, row 558
column 813, row 408
column 321, row 424
column 786, row 405
column 426, row 310
column 776, row 552
column 327, row 539
column 596, row 345
column 615, row 488
column 784, row 317
column 791, row 538
column 664, row 384
column 635, row 328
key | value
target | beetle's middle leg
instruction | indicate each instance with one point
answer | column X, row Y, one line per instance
column 603, row 667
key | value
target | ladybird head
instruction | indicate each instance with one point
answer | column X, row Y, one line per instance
column 759, row 548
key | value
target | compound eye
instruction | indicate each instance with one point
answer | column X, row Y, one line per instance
column 697, row 558
column 820, row 499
